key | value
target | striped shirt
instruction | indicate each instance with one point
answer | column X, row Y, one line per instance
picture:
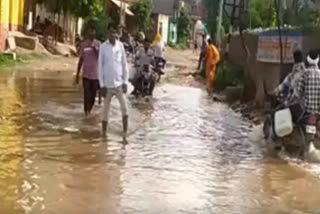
column 309, row 89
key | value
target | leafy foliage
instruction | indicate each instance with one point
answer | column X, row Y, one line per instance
column 184, row 26
column 142, row 10
column 101, row 23
column 301, row 14
column 92, row 10
column 79, row 8
column 212, row 6
column 88, row 8
column 292, row 12
column 262, row 13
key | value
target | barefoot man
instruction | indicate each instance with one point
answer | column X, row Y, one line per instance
column 113, row 79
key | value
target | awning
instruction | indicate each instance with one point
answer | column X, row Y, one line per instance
column 128, row 11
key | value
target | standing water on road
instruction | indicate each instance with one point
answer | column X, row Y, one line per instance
column 185, row 155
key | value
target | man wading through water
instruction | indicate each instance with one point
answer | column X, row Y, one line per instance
column 113, row 79
column 88, row 62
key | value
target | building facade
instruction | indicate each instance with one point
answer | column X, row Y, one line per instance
column 11, row 18
column 165, row 16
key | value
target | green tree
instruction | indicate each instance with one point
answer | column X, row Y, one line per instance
column 300, row 13
column 93, row 11
column 89, row 8
column 79, row 8
column 262, row 13
column 142, row 10
column 101, row 23
column 184, row 26
column 291, row 12
column 212, row 6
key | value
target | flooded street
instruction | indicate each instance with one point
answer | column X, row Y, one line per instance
column 186, row 154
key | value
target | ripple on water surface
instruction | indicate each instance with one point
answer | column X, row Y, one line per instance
column 185, row 155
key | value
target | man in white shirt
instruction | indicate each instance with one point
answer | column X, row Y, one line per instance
column 113, row 78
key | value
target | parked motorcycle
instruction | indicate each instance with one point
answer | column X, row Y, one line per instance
column 289, row 128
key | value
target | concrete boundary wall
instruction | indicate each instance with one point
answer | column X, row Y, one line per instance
column 265, row 76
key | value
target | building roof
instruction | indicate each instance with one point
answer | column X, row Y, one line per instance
column 165, row 7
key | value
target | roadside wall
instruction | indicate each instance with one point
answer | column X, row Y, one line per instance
column 265, row 76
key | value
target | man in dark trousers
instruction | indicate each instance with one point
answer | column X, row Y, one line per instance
column 88, row 63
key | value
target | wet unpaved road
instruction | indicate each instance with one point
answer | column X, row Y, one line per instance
column 185, row 155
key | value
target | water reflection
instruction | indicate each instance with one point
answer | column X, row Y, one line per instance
column 185, row 155
column 11, row 147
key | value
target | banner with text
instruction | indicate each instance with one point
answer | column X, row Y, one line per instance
column 269, row 46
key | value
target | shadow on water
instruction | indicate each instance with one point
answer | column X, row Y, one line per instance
column 185, row 155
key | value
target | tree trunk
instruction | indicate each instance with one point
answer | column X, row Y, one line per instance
column 277, row 7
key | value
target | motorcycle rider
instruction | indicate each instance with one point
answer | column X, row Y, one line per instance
column 158, row 45
column 309, row 85
column 145, row 57
column 288, row 88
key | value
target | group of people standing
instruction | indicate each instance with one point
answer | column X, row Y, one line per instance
column 208, row 60
column 104, row 69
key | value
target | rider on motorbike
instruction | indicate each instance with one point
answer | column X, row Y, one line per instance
column 286, row 93
column 288, row 88
column 309, row 85
column 159, row 49
column 144, row 59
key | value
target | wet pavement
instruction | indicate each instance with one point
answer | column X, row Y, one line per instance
column 186, row 154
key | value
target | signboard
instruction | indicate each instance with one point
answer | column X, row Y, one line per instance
column 269, row 48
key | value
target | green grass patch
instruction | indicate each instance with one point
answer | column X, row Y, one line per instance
column 229, row 74
column 7, row 61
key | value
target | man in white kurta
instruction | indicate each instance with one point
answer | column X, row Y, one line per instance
column 113, row 78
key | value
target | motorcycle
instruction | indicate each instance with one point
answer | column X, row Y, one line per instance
column 144, row 84
column 159, row 68
column 289, row 128
column 146, row 81
column 129, row 50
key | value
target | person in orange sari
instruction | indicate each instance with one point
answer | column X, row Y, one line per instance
column 213, row 58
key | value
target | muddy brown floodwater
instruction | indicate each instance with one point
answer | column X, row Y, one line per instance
column 185, row 155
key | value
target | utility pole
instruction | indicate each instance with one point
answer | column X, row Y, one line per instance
column 277, row 6
column 219, row 23
column 122, row 17
column 230, row 32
